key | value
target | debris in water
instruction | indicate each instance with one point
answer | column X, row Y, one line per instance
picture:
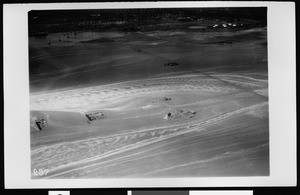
column 42, row 123
column 181, row 114
column 95, row 116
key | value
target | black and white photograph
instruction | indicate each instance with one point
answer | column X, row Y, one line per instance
column 149, row 92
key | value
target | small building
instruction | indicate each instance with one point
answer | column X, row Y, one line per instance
column 95, row 116
column 41, row 124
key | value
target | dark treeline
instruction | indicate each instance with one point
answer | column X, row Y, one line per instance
column 64, row 20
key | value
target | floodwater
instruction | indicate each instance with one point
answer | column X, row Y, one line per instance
column 123, row 76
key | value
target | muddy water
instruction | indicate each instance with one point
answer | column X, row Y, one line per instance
column 226, row 85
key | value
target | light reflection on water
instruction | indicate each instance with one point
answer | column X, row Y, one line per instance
column 64, row 38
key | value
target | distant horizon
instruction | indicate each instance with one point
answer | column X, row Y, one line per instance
column 38, row 19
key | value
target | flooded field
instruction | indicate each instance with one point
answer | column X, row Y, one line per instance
column 177, row 103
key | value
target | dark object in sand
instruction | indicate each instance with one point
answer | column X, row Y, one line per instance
column 181, row 114
column 95, row 116
column 171, row 64
column 41, row 124
column 166, row 99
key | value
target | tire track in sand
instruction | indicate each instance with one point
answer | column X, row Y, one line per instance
column 95, row 161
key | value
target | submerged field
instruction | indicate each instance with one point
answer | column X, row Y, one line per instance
column 122, row 75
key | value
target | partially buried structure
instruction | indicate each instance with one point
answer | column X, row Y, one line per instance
column 95, row 116
column 41, row 124
column 181, row 114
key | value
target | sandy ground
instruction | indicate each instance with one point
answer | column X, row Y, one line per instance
column 225, row 85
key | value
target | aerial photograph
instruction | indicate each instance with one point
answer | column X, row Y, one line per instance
column 148, row 93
